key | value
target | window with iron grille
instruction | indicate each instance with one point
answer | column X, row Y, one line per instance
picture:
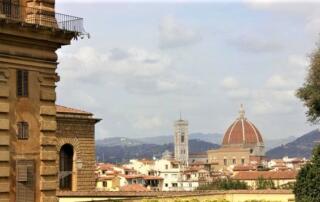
column 22, row 83
column 23, row 130
column 25, row 181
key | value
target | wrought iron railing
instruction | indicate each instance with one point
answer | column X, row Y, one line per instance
column 42, row 16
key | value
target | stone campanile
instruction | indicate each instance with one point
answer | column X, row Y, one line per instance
column 181, row 141
column 30, row 34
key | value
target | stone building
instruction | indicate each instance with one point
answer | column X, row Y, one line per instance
column 242, row 144
column 30, row 34
column 181, row 141
column 76, row 149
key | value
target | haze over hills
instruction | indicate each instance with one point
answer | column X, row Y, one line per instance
column 301, row 147
column 122, row 149
column 215, row 138
column 123, row 153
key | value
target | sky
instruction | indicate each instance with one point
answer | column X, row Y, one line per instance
column 147, row 61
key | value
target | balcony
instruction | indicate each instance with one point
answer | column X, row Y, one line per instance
column 40, row 16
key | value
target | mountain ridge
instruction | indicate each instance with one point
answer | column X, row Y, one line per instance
column 215, row 138
column 122, row 154
column 301, row 147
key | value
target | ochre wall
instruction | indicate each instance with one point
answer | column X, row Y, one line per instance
column 79, row 132
column 230, row 197
column 218, row 156
column 33, row 49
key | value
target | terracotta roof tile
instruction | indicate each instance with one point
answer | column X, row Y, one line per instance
column 150, row 177
column 244, row 168
column 68, row 110
column 134, row 187
column 242, row 131
column 106, row 166
column 275, row 175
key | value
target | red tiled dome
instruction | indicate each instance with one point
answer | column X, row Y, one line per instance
column 242, row 132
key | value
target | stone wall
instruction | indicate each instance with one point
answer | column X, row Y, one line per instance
column 79, row 132
column 30, row 48
column 203, row 196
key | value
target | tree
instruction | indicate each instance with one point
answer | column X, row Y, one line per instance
column 307, row 187
column 309, row 93
column 265, row 184
column 224, row 184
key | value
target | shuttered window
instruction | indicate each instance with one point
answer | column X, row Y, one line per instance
column 25, row 181
column 22, row 83
column 22, row 173
column 23, row 131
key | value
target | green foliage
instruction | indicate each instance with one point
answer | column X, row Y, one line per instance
column 309, row 93
column 224, row 184
column 265, row 184
column 289, row 185
column 307, row 186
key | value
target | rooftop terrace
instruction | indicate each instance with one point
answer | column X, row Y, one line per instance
column 40, row 16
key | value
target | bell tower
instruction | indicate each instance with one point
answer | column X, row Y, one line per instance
column 30, row 34
column 181, row 141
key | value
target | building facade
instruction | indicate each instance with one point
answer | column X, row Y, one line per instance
column 75, row 149
column 30, row 35
column 242, row 144
column 181, row 141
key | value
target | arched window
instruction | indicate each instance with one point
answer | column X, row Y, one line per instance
column 66, row 166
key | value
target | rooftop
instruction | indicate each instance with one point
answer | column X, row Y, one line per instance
column 275, row 175
column 68, row 110
column 40, row 16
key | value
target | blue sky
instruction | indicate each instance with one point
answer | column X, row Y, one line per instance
column 146, row 62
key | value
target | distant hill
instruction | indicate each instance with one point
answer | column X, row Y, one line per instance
column 301, row 147
column 159, row 140
column 118, row 141
column 123, row 153
column 215, row 138
column 272, row 143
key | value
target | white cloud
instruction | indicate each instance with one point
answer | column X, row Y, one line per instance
column 276, row 102
column 230, row 83
column 309, row 11
column 233, row 89
column 167, row 83
column 255, row 43
column 145, row 123
column 279, row 82
column 131, row 62
column 277, row 96
column 173, row 33
column 313, row 28
column 138, row 1
column 298, row 61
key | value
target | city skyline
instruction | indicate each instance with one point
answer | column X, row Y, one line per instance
column 201, row 59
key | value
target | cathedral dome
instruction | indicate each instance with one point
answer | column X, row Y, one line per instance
column 242, row 132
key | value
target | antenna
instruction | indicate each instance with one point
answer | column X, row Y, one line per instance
column 180, row 116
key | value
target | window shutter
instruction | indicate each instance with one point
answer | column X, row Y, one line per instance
column 22, row 83
column 23, row 130
column 25, row 181
column 25, row 83
column 19, row 82
column 22, row 173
